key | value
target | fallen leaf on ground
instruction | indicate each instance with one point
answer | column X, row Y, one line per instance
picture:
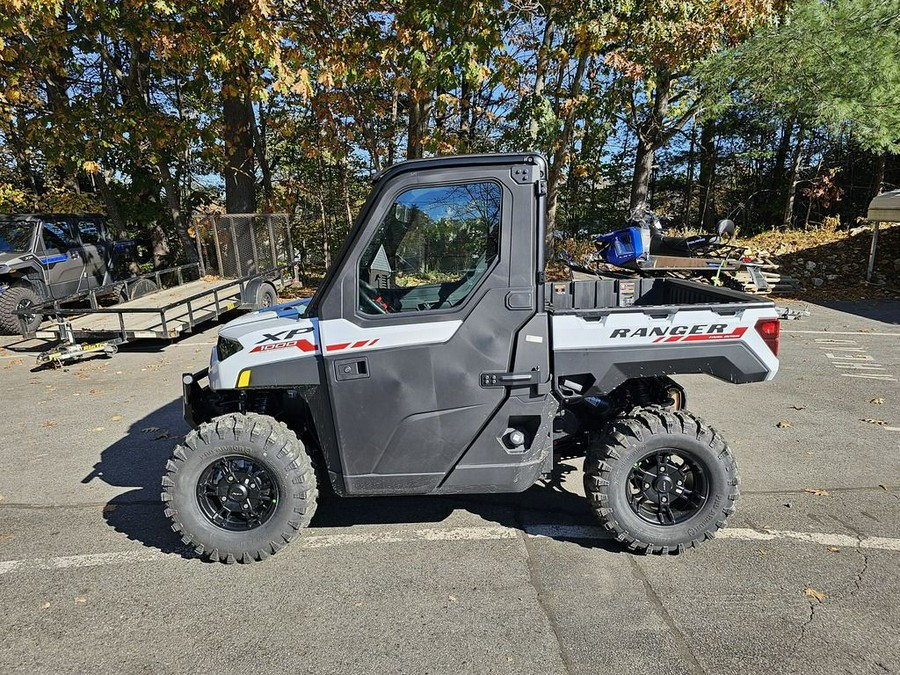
column 818, row 492
column 46, row 605
column 48, row 424
column 14, row 362
column 799, row 407
column 2, row 498
column 451, row 598
column 876, row 401
column 99, row 428
column 80, row 599
column 834, row 549
column 6, row 537
column 872, row 420
column 149, row 430
column 811, row 592
column 116, row 418
column 883, row 487
column 784, row 424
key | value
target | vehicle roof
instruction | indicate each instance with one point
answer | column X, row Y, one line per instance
column 449, row 161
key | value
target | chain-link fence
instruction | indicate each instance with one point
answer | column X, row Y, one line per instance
column 241, row 244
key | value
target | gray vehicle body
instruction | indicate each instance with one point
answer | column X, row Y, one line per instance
column 60, row 254
column 470, row 387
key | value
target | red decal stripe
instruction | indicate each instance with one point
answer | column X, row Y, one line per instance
column 338, row 347
column 359, row 343
column 736, row 333
column 372, row 342
column 674, row 338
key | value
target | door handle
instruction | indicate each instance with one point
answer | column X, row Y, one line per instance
column 351, row 369
column 526, row 378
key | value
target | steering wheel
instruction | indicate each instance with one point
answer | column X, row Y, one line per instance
column 371, row 298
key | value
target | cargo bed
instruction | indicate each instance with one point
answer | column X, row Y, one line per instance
column 608, row 331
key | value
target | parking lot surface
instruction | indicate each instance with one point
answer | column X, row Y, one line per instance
column 805, row 579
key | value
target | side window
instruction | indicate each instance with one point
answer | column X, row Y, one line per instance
column 58, row 235
column 90, row 233
column 431, row 249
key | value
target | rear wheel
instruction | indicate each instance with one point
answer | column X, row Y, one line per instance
column 17, row 297
column 266, row 295
column 138, row 289
column 661, row 481
column 239, row 488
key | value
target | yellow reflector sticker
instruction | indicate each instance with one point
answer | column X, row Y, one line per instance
column 230, row 306
column 244, row 378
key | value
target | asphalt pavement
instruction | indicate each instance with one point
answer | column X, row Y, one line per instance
column 806, row 578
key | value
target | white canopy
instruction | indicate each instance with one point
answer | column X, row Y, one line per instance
column 885, row 207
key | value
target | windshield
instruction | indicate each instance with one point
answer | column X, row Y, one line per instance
column 15, row 235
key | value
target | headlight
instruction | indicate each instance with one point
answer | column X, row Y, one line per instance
column 227, row 347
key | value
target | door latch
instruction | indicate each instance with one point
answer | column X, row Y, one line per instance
column 528, row 378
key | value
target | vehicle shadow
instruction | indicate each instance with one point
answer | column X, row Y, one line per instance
column 138, row 461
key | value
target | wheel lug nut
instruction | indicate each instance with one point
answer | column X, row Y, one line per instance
column 665, row 499
column 678, row 482
column 646, row 485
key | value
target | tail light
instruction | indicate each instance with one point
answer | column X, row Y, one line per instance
column 769, row 330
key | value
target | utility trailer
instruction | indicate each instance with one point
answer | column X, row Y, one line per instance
column 249, row 252
column 435, row 359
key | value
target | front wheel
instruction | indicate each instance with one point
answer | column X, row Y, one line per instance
column 18, row 297
column 661, row 481
column 239, row 488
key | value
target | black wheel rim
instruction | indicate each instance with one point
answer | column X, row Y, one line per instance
column 667, row 487
column 237, row 494
column 25, row 303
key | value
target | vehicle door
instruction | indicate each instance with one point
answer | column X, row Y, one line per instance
column 93, row 249
column 61, row 257
column 427, row 304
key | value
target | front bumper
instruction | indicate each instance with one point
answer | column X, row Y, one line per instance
column 195, row 398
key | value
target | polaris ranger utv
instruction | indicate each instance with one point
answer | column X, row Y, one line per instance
column 434, row 359
column 47, row 256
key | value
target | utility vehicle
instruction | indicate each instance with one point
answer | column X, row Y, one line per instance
column 435, row 359
column 48, row 256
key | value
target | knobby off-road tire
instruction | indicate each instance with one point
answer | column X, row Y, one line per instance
column 16, row 297
column 637, row 464
column 262, row 463
column 139, row 289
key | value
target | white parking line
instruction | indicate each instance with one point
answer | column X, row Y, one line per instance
column 480, row 533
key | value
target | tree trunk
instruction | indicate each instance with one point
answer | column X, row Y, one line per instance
column 689, row 188
column 543, row 56
column 160, row 245
column 651, row 135
column 643, row 166
column 265, row 165
column 392, row 132
column 109, row 200
column 879, row 174
column 788, row 217
column 420, row 104
column 707, row 173
column 179, row 219
column 559, row 157
column 240, row 173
